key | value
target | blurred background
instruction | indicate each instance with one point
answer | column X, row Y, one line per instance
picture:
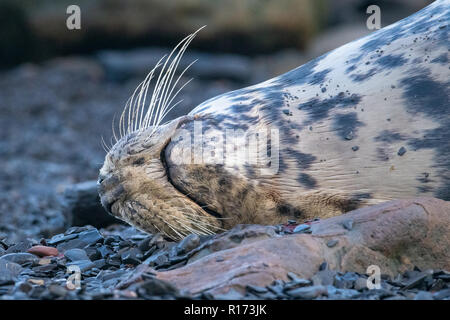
column 60, row 88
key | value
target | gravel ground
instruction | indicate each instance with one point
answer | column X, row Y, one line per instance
column 119, row 263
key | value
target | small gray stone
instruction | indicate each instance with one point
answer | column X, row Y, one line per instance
column 189, row 243
column 308, row 292
column 9, row 272
column 301, row 228
column 22, row 246
column 332, row 243
column 157, row 259
column 20, row 258
column 349, row 135
column 256, row 289
column 84, row 265
column 325, row 277
column 443, row 294
column 423, row 295
column 76, row 254
column 360, row 284
column 401, row 151
column 348, row 224
column 57, row 290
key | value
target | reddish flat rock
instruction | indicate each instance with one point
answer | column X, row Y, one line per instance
column 395, row 236
column 43, row 251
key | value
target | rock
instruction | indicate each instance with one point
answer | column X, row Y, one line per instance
column 239, row 235
column 324, row 277
column 334, row 293
column 20, row 258
column 361, row 284
column 57, row 290
column 395, row 235
column 332, row 243
column 443, row 294
column 22, row 246
column 401, row 151
column 189, row 243
column 144, row 245
column 157, row 259
column 84, row 265
column 348, row 224
column 43, row 251
column 256, row 289
column 82, row 206
column 100, row 263
column 416, row 281
column 76, row 254
column 61, row 238
column 301, row 228
column 84, row 239
column 308, row 292
column 154, row 287
column 9, row 272
column 423, row 295
column 131, row 256
column 140, row 273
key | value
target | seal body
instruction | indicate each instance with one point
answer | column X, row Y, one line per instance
column 365, row 123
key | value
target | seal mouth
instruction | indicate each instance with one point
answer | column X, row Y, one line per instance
column 110, row 191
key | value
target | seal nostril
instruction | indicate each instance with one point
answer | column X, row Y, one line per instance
column 100, row 179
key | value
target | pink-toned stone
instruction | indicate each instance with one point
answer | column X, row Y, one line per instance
column 43, row 251
column 396, row 236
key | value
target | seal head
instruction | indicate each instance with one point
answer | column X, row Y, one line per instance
column 134, row 187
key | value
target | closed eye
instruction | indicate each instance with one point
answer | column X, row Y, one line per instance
column 139, row 161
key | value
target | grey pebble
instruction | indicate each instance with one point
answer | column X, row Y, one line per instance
column 332, row 243
column 308, row 292
column 76, row 254
column 401, row 151
column 348, row 224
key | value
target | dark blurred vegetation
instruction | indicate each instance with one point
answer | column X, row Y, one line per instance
column 33, row 30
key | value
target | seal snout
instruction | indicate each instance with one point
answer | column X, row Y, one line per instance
column 110, row 190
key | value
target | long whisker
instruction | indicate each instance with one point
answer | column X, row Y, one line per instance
column 139, row 112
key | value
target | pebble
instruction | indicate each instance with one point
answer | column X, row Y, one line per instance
column 401, row 151
column 308, row 292
column 423, row 295
column 360, row 284
column 21, row 246
column 20, row 258
column 43, row 251
column 84, row 239
column 256, row 289
column 84, row 265
column 301, row 228
column 189, row 243
column 76, row 254
column 348, row 224
column 443, row 294
column 324, row 277
column 332, row 243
